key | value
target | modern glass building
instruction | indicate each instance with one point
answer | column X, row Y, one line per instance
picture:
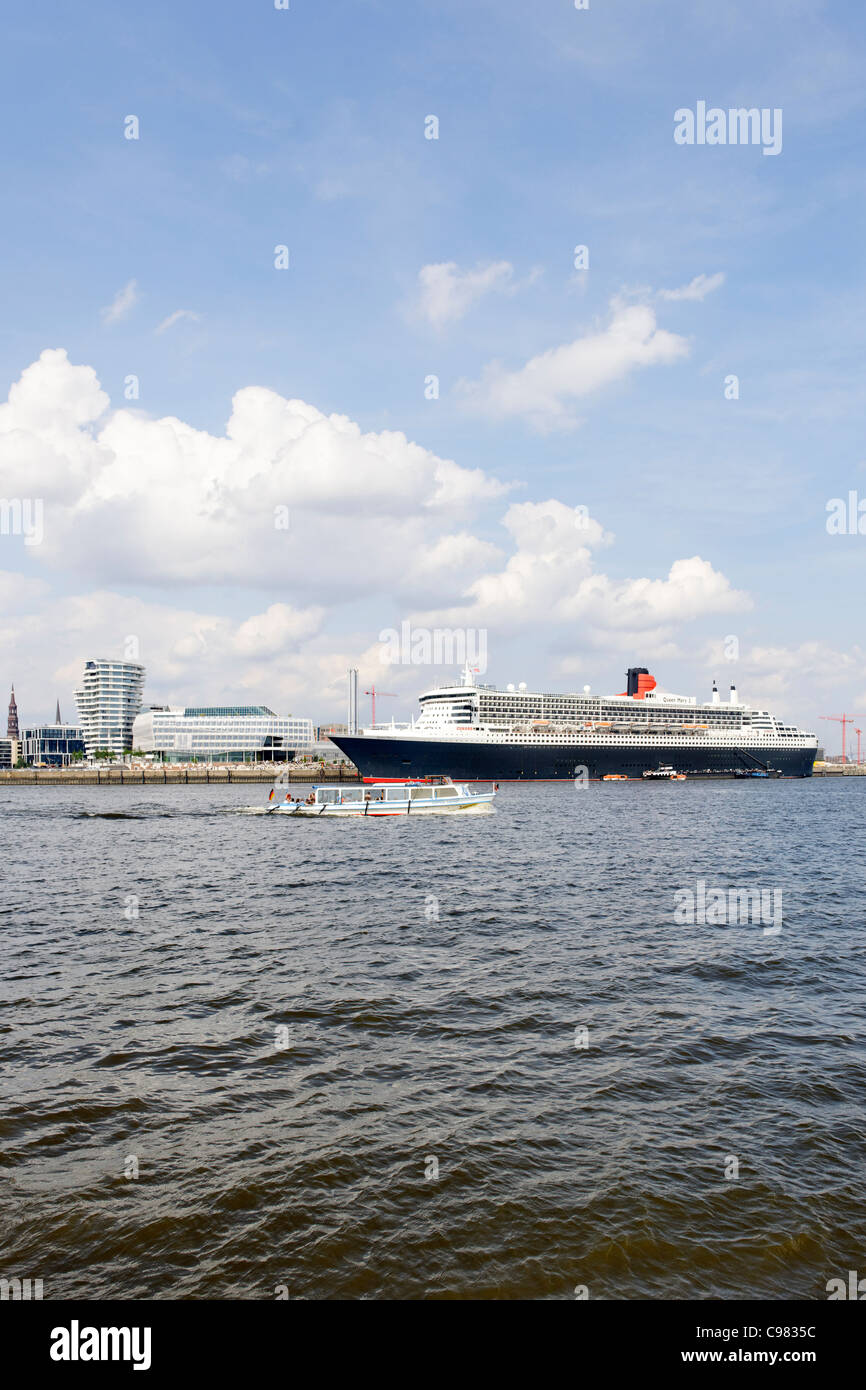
column 220, row 734
column 53, row 744
column 108, row 701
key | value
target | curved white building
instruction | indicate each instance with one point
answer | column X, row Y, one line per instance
column 108, row 701
column 220, row 734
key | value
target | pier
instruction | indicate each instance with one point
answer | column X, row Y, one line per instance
column 257, row 774
column 839, row 770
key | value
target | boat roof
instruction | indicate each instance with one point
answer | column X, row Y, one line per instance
column 433, row 781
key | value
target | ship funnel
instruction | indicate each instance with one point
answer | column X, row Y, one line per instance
column 716, row 696
column 639, row 682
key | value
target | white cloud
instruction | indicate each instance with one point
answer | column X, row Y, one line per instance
column 177, row 317
column 133, row 499
column 376, row 526
column 543, row 389
column 121, row 305
column 550, row 579
column 16, row 590
column 800, row 683
column 692, row 589
column 446, row 293
column 699, row 288
column 777, row 671
column 277, row 655
column 271, row 632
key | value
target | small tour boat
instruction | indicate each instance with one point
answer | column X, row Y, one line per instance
column 666, row 772
column 413, row 796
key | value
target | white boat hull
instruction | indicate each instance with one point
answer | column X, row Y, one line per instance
column 435, row 796
column 474, row 808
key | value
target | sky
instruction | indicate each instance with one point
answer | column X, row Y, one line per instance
column 297, row 346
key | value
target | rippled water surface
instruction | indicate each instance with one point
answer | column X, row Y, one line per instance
column 305, row 1018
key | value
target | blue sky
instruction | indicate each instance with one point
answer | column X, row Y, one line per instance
column 306, row 127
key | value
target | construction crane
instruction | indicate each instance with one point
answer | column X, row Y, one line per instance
column 384, row 695
column 844, row 720
column 858, row 733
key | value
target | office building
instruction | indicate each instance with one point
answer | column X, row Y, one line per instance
column 10, row 751
column 54, row 745
column 108, row 701
column 220, row 734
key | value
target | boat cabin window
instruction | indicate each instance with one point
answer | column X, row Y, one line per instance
column 351, row 794
column 395, row 794
column 421, row 793
column 374, row 794
column 441, row 792
column 329, row 794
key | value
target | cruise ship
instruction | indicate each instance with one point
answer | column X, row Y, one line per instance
column 480, row 732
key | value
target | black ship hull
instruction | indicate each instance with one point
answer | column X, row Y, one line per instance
column 467, row 761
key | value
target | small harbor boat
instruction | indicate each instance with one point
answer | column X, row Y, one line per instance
column 666, row 773
column 614, row 777
column 398, row 797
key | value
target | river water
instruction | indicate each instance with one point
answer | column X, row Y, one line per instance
column 496, row 1057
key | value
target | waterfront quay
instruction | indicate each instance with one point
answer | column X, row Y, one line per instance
column 822, row 769
column 172, row 775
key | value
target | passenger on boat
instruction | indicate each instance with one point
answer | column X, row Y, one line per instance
column 311, row 799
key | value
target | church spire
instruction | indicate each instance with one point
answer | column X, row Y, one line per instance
column 57, row 719
column 12, row 721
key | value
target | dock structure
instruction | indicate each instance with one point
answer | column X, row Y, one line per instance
column 170, row 775
column 839, row 770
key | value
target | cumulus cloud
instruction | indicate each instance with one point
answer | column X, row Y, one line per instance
column 800, row 682
column 699, row 288
column 288, row 496
column 542, row 391
column 775, row 672
column 446, row 293
column 691, row 589
column 121, row 305
column 328, row 521
column 271, row 632
column 191, row 655
column 550, row 578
